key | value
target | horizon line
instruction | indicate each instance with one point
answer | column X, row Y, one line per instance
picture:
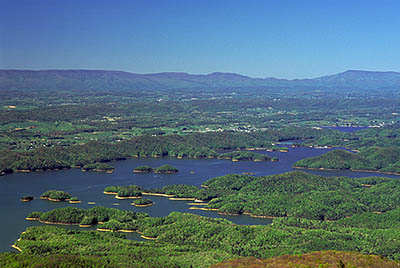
column 197, row 74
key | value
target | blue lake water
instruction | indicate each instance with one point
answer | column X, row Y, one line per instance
column 88, row 186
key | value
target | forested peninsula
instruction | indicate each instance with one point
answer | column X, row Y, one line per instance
column 296, row 194
column 379, row 159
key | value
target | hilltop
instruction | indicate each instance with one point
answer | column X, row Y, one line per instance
column 327, row 259
column 82, row 80
column 372, row 159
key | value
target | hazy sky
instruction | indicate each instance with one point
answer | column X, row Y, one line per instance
column 284, row 39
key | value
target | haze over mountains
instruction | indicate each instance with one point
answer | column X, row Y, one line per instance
column 80, row 80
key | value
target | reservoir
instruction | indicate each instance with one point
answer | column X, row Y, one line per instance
column 89, row 186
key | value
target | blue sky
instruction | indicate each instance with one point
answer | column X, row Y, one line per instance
column 284, row 39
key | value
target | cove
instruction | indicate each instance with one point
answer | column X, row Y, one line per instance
column 88, row 186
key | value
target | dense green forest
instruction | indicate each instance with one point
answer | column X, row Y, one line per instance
column 176, row 190
column 72, row 215
column 167, row 169
column 124, row 191
column 381, row 159
column 296, row 194
column 185, row 239
column 143, row 202
column 54, row 195
column 143, row 169
column 243, row 155
column 100, row 167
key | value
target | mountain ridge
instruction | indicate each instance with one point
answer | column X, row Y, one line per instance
column 86, row 79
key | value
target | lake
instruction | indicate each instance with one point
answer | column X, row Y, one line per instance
column 88, row 186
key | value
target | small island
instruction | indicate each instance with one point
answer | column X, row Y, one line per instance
column 166, row 169
column 143, row 169
column 125, row 192
column 56, row 196
column 27, row 198
column 275, row 148
column 74, row 200
column 144, row 202
column 98, row 167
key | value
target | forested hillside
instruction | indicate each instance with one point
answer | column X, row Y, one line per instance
column 379, row 159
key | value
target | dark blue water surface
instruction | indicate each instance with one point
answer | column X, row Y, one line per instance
column 88, row 186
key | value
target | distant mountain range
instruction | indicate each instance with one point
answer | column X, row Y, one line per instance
column 79, row 80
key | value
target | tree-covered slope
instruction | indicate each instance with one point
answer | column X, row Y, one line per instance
column 337, row 159
column 297, row 194
column 328, row 259
column 302, row 195
column 187, row 240
column 81, row 80
column 386, row 159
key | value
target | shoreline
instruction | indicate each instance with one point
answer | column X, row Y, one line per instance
column 16, row 247
column 142, row 206
column 234, row 214
column 327, row 169
column 120, row 231
column 148, row 238
column 32, row 219
column 117, row 231
column 128, row 197
column 145, row 237
column 197, row 204
column 54, row 200
column 126, row 231
column 58, row 223
column 80, row 167
column 206, row 209
column 350, row 169
column 228, row 214
column 108, row 171
column 157, row 194
column 259, row 216
column 81, row 225
column 122, row 197
column 182, row 198
column 25, row 200
column 137, row 156
column 104, row 230
column 104, row 192
column 50, row 222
